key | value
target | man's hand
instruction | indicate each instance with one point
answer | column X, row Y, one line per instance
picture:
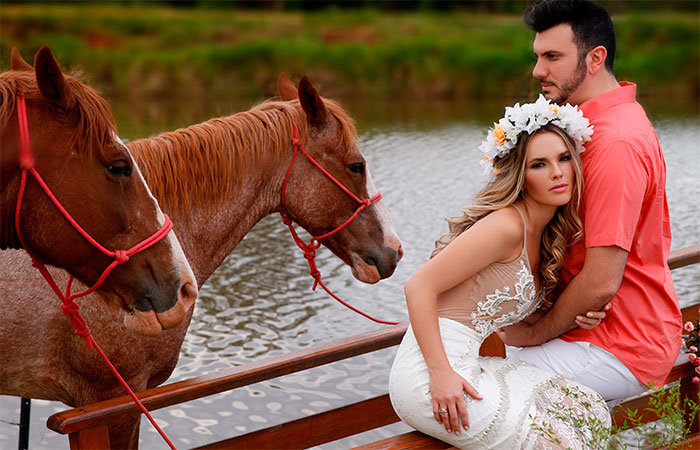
column 518, row 335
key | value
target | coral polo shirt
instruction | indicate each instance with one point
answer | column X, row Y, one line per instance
column 624, row 204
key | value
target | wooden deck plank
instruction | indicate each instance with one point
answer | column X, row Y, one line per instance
column 684, row 257
column 317, row 429
column 412, row 440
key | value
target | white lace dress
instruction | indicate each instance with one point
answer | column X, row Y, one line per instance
column 523, row 407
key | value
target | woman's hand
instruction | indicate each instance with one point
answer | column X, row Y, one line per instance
column 449, row 391
column 592, row 318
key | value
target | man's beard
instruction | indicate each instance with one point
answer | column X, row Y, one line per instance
column 572, row 83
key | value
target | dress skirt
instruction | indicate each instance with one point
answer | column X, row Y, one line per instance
column 517, row 396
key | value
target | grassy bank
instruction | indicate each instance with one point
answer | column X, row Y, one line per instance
column 158, row 51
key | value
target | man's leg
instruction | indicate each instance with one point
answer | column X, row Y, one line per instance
column 586, row 364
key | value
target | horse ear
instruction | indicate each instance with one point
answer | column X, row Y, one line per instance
column 50, row 79
column 286, row 88
column 311, row 102
column 18, row 63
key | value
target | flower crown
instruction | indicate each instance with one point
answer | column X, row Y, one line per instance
column 530, row 117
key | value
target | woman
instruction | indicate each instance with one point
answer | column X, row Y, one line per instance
column 499, row 263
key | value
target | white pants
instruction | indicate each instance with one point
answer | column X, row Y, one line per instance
column 586, row 364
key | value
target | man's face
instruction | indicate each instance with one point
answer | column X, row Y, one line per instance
column 558, row 67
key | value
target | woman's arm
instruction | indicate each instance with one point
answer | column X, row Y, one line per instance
column 497, row 237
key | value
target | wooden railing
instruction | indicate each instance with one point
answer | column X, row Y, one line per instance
column 87, row 425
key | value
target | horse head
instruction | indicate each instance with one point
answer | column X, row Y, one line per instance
column 368, row 243
column 76, row 151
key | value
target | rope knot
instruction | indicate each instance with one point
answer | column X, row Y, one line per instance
column 285, row 219
column 316, row 275
column 83, row 332
column 26, row 161
column 69, row 308
column 121, row 256
column 309, row 253
column 366, row 202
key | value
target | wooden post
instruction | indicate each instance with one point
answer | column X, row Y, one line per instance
column 90, row 439
column 493, row 346
column 691, row 391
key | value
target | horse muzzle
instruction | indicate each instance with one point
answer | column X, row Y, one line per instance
column 150, row 317
column 376, row 265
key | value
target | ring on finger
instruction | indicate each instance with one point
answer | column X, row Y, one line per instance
column 442, row 410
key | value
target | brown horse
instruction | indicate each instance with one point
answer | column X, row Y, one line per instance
column 77, row 153
column 216, row 180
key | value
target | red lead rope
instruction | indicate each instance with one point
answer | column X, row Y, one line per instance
column 310, row 248
column 69, row 307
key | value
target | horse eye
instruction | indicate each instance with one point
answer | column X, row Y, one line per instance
column 357, row 168
column 119, row 168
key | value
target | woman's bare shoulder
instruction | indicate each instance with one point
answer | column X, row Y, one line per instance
column 506, row 222
column 505, row 227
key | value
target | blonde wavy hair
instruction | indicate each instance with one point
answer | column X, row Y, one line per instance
column 564, row 229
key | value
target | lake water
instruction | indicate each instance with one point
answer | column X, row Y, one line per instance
column 259, row 303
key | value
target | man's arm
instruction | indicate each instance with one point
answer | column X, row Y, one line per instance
column 590, row 290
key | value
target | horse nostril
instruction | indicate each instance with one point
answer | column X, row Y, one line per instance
column 400, row 253
column 188, row 294
column 371, row 261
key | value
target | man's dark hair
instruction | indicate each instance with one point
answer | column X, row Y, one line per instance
column 590, row 22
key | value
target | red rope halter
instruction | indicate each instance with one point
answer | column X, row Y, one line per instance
column 68, row 306
column 310, row 248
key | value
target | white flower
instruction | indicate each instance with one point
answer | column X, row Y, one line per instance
column 504, row 135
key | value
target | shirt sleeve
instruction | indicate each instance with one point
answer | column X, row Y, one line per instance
column 615, row 187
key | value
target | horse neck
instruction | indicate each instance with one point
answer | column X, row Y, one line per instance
column 242, row 185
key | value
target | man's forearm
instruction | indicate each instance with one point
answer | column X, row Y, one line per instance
column 579, row 297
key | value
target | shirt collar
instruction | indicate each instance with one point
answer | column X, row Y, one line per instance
column 626, row 93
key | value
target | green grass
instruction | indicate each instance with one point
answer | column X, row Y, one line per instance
column 158, row 51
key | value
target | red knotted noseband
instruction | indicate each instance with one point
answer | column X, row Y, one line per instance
column 310, row 248
column 69, row 307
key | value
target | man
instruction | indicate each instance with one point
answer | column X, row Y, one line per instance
column 622, row 257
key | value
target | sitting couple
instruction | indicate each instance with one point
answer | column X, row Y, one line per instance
column 537, row 258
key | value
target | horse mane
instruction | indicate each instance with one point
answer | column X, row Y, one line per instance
column 203, row 163
column 96, row 126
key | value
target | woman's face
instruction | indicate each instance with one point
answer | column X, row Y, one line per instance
column 549, row 171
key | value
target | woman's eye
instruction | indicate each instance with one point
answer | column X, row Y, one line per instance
column 537, row 165
column 357, row 168
column 565, row 158
column 119, row 169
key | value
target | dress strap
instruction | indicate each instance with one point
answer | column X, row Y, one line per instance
column 524, row 229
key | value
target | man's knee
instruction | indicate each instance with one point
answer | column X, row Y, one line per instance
column 586, row 364
column 555, row 357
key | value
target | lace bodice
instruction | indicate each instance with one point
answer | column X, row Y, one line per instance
column 497, row 296
column 504, row 306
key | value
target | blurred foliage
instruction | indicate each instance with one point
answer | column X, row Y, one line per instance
column 447, row 49
column 499, row 6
